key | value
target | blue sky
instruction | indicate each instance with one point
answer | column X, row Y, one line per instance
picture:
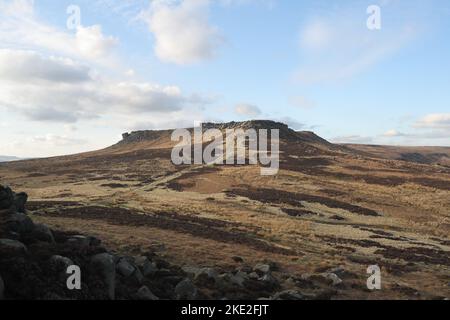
column 140, row 64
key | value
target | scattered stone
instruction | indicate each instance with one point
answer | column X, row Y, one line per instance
column 261, row 268
column 327, row 278
column 125, row 268
column 334, row 278
column 239, row 278
column 200, row 274
column 253, row 276
column 144, row 293
column 245, row 268
column 147, row 267
column 12, row 247
column 289, row 295
column 185, row 290
column 270, row 280
column 324, row 295
column 103, row 264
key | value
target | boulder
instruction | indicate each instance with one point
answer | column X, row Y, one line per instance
column 125, row 268
column 270, row 281
column 6, row 197
column 288, row 295
column 103, row 265
column 185, row 290
column 60, row 263
column 43, row 233
column 253, row 276
column 12, row 247
column 79, row 241
column 144, row 293
column 147, row 267
column 335, row 280
column 239, row 278
column 324, row 295
column 20, row 223
column 20, row 199
column 2, row 289
column 262, row 268
column 202, row 273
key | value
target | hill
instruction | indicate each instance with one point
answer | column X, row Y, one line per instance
column 330, row 207
column 8, row 158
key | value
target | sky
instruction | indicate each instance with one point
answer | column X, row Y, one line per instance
column 75, row 75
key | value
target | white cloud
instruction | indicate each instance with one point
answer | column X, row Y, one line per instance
column 56, row 140
column 430, row 130
column 27, row 66
column 182, row 31
column 92, row 43
column 61, row 90
column 434, row 121
column 247, row 110
column 20, row 27
column 393, row 133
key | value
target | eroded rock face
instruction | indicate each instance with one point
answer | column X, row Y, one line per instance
column 20, row 199
column 6, row 198
column 103, row 264
column 284, row 131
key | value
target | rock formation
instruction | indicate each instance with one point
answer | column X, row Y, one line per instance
column 34, row 260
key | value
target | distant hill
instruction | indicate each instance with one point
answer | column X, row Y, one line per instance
column 8, row 158
column 422, row 155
